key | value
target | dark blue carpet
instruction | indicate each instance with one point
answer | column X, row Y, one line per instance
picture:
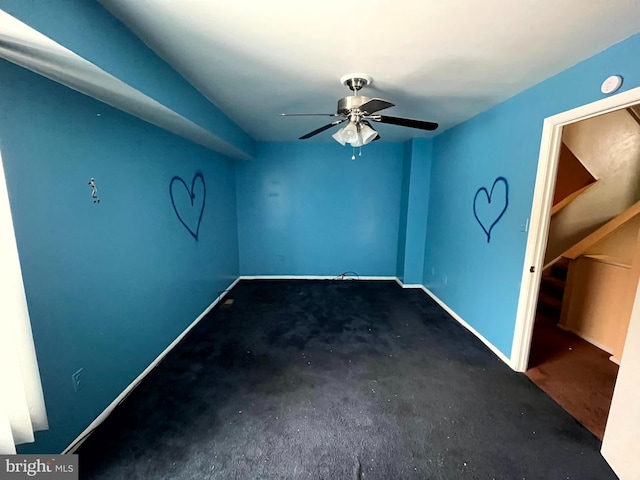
column 337, row 380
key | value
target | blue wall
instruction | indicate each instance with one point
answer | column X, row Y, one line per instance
column 481, row 281
column 109, row 286
column 417, row 209
column 308, row 209
column 89, row 30
column 404, row 210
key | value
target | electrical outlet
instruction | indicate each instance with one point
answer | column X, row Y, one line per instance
column 78, row 380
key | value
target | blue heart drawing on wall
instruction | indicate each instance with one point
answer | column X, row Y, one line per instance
column 188, row 210
column 491, row 209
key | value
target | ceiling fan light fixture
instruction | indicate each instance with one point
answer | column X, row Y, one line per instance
column 357, row 142
column 355, row 134
column 339, row 137
column 350, row 132
column 367, row 134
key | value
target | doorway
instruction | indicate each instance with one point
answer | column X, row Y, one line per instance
column 583, row 305
column 539, row 230
column 541, row 215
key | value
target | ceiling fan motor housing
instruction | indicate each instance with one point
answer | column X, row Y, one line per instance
column 347, row 104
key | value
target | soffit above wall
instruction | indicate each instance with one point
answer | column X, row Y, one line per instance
column 24, row 46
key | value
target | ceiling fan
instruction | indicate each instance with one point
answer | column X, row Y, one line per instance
column 358, row 111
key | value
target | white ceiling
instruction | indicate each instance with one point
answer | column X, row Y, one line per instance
column 438, row 60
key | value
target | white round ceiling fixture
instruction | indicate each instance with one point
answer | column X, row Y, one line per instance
column 611, row 84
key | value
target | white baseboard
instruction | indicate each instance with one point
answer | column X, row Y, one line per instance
column 107, row 411
column 314, row 277
column 459, row 319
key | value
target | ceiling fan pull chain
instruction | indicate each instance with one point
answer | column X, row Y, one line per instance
column 360, row 153
column 353, row 156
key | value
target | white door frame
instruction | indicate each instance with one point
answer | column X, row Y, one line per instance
column 22, row 408
column 541, row 215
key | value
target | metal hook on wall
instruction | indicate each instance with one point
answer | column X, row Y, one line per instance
column 94, row 191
